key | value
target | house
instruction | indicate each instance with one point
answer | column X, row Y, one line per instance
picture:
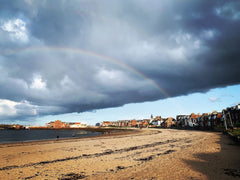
column 182, row 120
column 215, row 119
column 231, row 116
column 156, row 122
column 105, row 123
column 194, row 119
column 145, row 122
column 210, row 120
column 169, row 122
column 219, row 120
column 75, row 125
column 56, row 124
column 123, row 123
column 134, row 123
column 204, row 120
column 179, row 120
column 50, row 124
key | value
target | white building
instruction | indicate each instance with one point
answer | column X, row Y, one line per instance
column 78, row 125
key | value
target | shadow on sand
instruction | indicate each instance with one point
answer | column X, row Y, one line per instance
column 224, row 164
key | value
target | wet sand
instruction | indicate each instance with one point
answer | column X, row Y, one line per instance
column 149, row 154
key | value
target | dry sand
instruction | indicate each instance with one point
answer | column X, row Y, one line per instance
column 150, row 154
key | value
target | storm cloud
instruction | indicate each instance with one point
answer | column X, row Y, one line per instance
column 73, row 56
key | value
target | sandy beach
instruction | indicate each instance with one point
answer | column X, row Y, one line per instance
column 148, row 154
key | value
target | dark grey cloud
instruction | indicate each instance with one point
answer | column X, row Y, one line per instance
column 75, row 56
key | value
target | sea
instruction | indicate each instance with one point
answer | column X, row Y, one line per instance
column 11, row 136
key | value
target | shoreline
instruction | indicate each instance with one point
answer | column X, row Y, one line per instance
column 110, row 132
column 144, row 154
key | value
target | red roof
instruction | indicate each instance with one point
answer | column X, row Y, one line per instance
column 195, row 116
column 219, row 115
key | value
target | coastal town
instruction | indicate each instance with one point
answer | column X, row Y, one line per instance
column 228, row 118
column 51, row 125
column 152, row 145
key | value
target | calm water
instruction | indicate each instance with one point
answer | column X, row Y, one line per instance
column 7, row 136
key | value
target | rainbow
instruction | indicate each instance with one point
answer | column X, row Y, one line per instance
column 90, row 53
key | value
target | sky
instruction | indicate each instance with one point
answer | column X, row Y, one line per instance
column 98, row 60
